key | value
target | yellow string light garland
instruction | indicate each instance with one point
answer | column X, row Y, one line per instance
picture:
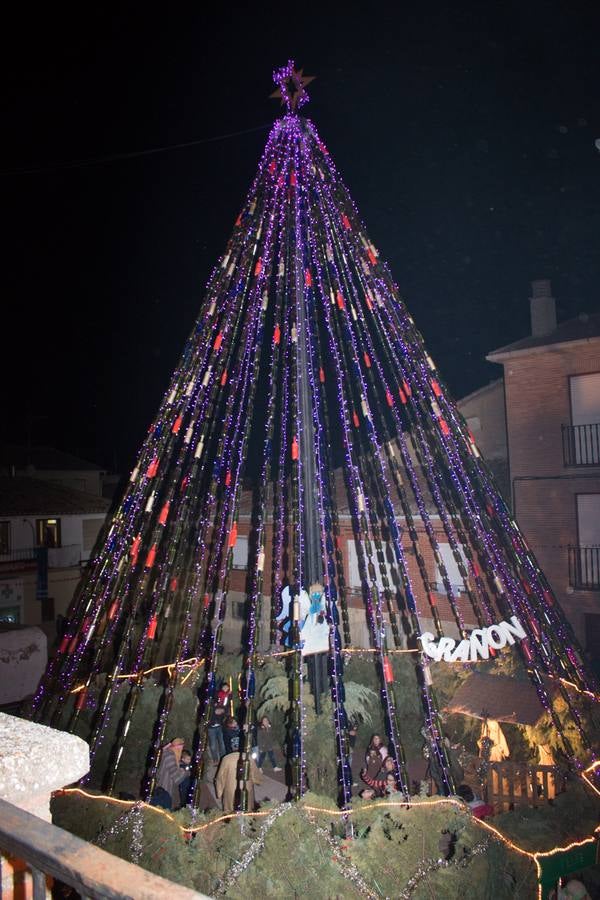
column 189, row 831
column 194, row 662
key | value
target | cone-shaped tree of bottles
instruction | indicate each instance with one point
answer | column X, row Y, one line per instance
column 302, row 351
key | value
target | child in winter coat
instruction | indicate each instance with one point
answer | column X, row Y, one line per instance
column 231, row 735
column 376, row 753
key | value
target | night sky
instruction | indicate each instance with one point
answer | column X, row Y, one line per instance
column 466, row 137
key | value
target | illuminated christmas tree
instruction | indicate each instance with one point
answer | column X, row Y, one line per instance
column 305, row 364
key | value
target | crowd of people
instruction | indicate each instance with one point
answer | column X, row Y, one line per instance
column 226, row 751
column 379, row 775
column 226, row 739
column 379, row 771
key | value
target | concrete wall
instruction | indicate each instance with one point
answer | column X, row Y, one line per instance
column 485, row 413
column 36, row 760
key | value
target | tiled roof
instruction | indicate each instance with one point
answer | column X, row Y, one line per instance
column 501, row 698
column 23, row 496
column 582, row 328
column 43, row 459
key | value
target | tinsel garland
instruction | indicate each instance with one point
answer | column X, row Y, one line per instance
column 236, row 870
column 347, row 868
column 484, row 767
column 432, row 865
column 133, row 818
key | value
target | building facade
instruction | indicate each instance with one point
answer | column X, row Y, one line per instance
column 549, row 405
column 349, row 577
column 47, row 533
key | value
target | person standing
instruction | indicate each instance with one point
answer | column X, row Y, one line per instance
column 216, row 744
column 265, row 744
column 185, row 764
column 381, row 786
column 376, row 753
column 169, row 776
column 388, row 766
column 231, row 735
column 228, row 781
column 479, row 808
column 224, row 696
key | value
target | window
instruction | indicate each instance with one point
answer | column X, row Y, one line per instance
column 4, row 537
column 588, row 542
column 240, row 553
column 48, row 532
column 585, row 399
column 585, row 419
column 354, row 572
column 454, row 577
column 588, row 520
column 10, row 615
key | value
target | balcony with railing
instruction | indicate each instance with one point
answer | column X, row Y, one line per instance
column 584, row 568
column 27, row 557
column 581, row 444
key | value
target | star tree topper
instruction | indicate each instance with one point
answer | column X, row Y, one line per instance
column 290, row 86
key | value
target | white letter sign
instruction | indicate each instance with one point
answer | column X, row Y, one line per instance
column 476, row 646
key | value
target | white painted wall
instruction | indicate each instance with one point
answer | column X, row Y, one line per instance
column 23, row 658
column 23, row 532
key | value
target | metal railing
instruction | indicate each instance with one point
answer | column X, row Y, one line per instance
column 27, row 554
column 584, row 568
column 92, row 872
column 581, row 445
column 58, row 557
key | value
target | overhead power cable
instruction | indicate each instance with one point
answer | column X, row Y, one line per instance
column 117, row 157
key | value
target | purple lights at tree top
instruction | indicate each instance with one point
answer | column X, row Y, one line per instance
column 291, row 83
